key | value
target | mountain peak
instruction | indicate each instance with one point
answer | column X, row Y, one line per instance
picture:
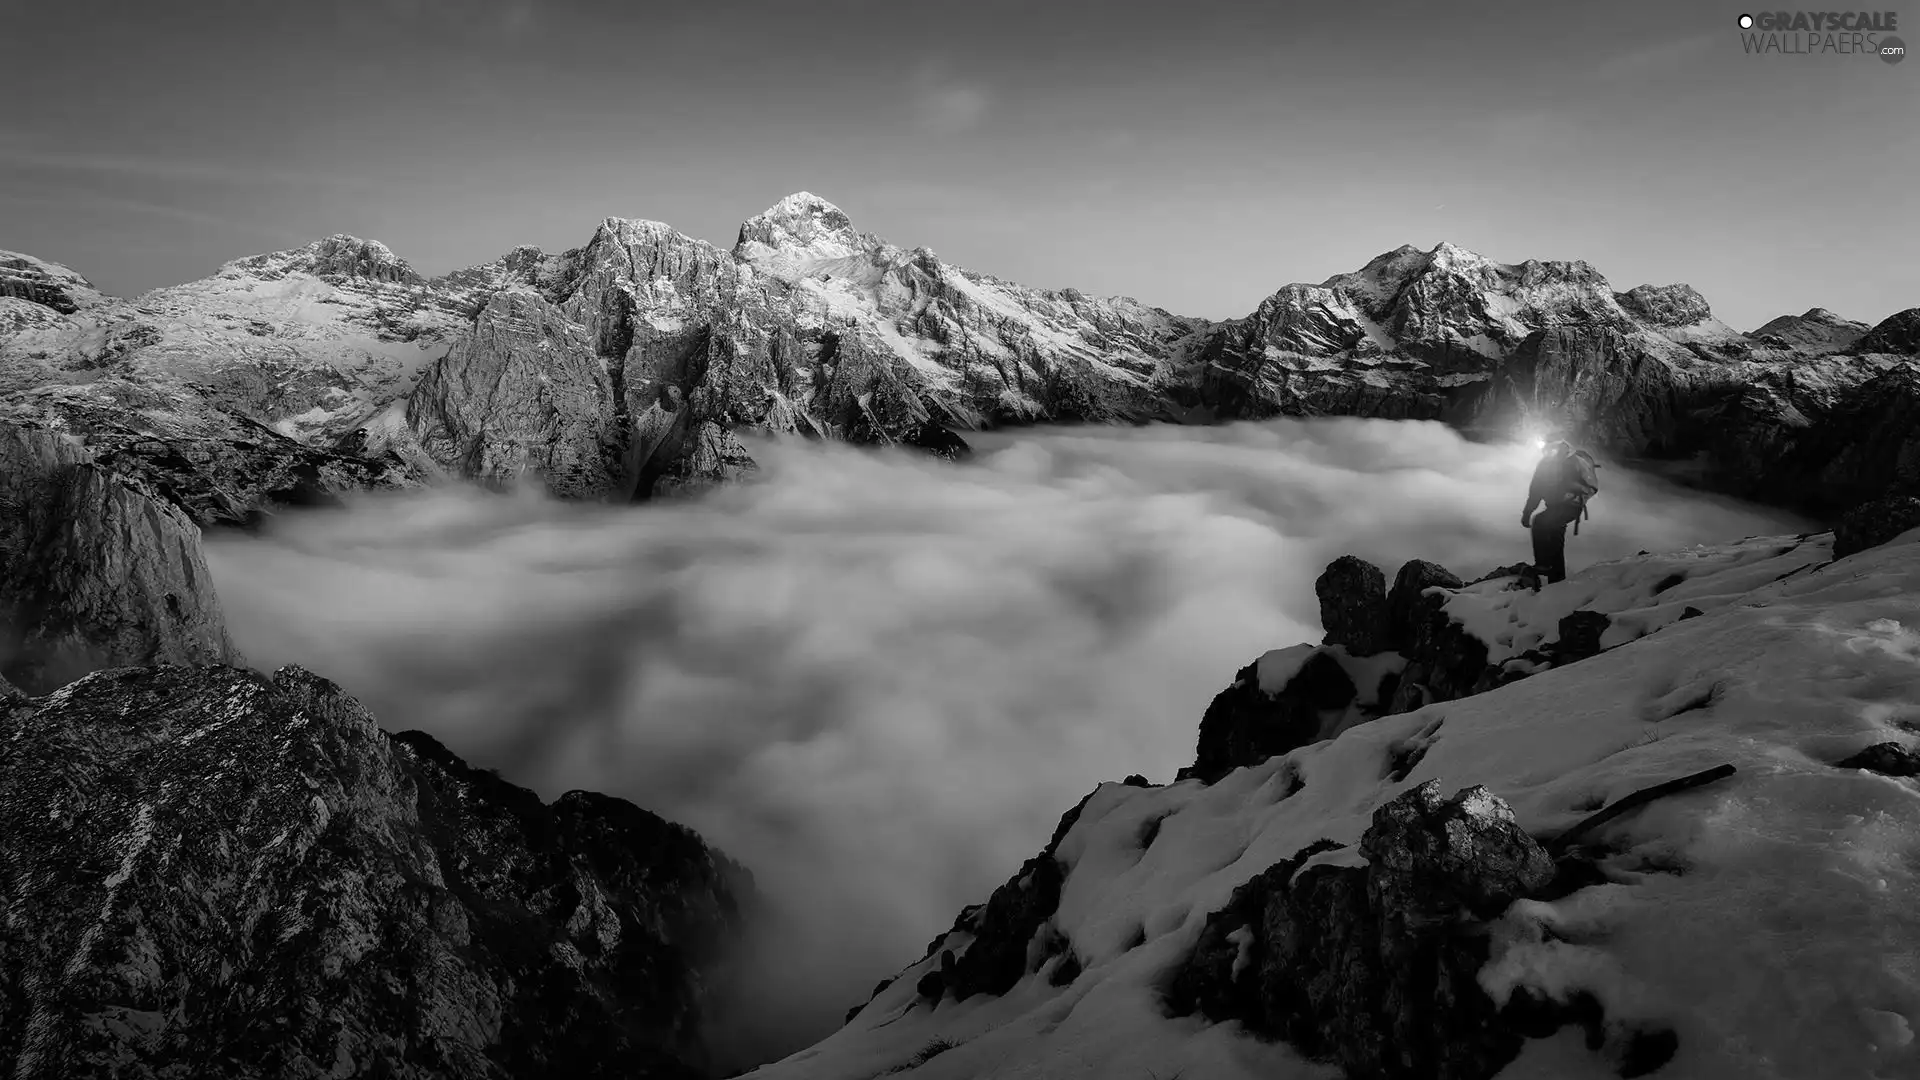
column 1666, row 305
column 621, row 226
column 1818, row 329
column 802, row 202
column 1448, row 254
column 804, row 222
column 340, row 256
column 48, row 284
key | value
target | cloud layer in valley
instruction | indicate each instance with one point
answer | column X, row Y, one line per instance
column 879, row 679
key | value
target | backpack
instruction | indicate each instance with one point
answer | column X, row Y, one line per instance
column 1580, row 482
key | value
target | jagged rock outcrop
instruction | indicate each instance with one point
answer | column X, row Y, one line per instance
column 1374, row 968
column 206, row 867
column 1294, row 697
column 1353, row 606
column 96, row 568
column 1872, row 524
column 1444, row 661
column 1248, row 722
column 1887, row 759
column 1580, row 636
column 1000, row 933
column 1406, row 602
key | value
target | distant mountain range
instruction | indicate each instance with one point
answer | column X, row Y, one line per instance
column 205, row 864
column 621, row 369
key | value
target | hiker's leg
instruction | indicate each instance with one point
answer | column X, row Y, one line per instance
column 1556, row 566
column 1542, row 542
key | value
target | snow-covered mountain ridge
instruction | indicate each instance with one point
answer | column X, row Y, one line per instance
column 622, row 368
column 1329, row 910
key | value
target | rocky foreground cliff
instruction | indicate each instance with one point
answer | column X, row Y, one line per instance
column 209, row 872
column 206, row 871
column 629, row 366
column 1660, row 819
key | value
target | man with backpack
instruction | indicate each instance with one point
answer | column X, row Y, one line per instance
column 1562, row 483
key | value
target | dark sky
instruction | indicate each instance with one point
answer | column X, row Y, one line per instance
column 1193, row 153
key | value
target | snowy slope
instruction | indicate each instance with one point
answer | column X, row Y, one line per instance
column 1771, row 919
column 312, row 340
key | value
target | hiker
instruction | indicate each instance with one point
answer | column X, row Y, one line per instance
column 1562, row 484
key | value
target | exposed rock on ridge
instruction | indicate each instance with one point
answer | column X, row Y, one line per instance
column 206, row 866
column 1374, row 968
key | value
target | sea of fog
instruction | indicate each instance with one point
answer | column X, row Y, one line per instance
column 875, row 678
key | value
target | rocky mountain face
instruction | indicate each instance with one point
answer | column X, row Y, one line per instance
column 206, row 867
column 624, row 368
column 97, row 569
column 667, row 345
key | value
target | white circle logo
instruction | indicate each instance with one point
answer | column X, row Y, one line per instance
column 1746, row 22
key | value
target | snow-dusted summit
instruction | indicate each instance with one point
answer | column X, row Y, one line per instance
column 798, row 231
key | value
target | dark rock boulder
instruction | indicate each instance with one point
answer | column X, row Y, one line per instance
column 1353, row 605
column 1872, row 524
column 207, row 866
column 1580, row 636
column 1429, row 855
column 96, row 569
column 1407, row 605
column 1444, row 661
column 1887, row 758
column 1374, row 968
column 1245, row 725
